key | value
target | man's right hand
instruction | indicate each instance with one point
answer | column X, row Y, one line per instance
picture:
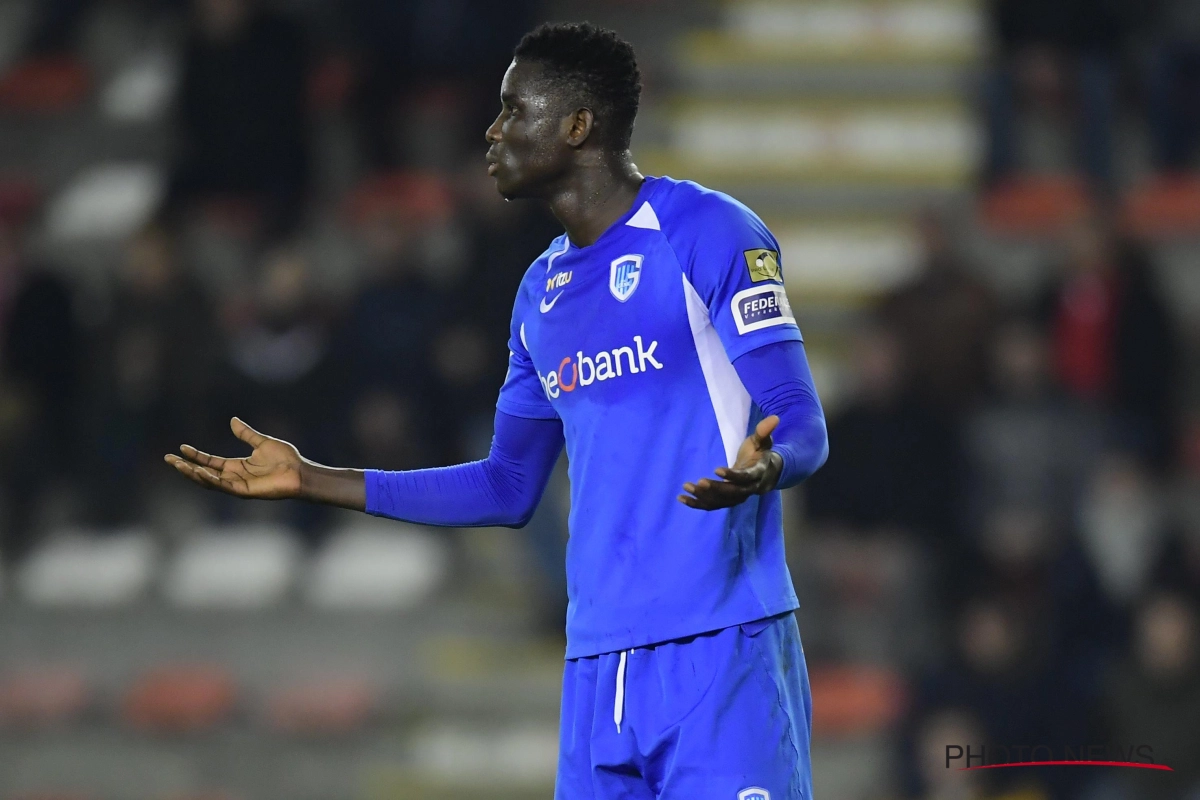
column 271, row 472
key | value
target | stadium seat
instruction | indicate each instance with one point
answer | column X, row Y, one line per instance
column 142, row 90
column 376, row 565
column 180, row 699
column 88, row 568
column 855, row 700
column 1167, row 206
column 329, row 706
column 408, row 196
column 234, row 567
column 36, row 698
column 1034, row 205
column 45, row 86
column 107, row 201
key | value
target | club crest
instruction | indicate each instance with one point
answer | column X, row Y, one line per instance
column 754, row 793
column 624, row 275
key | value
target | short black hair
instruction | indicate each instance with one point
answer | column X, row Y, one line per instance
column 597, row 64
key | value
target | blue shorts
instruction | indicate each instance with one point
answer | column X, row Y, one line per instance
column 724, row 715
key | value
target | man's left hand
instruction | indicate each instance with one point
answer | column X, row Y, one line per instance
column 756, row 471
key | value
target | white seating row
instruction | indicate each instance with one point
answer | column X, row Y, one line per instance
column 367, row 565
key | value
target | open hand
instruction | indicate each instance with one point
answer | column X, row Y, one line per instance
column 272, row 471
column 756, row 471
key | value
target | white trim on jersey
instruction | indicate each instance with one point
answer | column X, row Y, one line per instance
column 729, row 397
column 645, row 218
column 556, row 254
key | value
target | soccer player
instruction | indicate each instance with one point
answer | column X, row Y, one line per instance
column 655, row 339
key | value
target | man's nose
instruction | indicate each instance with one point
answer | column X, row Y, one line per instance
column 492, row 134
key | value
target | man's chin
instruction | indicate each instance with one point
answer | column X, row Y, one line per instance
column 508, row 191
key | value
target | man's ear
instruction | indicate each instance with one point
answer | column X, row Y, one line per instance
column 580, row 124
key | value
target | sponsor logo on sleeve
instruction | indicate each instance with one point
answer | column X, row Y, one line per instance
column 763, row 265
column 761, row 307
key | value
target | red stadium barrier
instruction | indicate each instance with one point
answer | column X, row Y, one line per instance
column 332, row 706
column 1164, row 207
column 1035, row 205
column 45, row 86
column 180, row 699
column 411, row 197
column 42, row 697
column 855, row 700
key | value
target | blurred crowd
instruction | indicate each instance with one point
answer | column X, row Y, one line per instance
column 1009, row 512
column 1089, row 66
column 394, row 363
column 1006, row 511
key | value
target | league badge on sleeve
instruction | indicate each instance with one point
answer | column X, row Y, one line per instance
column 754, row 793
column 624, row 275
column 763, row 265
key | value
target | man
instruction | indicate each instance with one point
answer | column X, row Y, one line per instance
column 653, row 337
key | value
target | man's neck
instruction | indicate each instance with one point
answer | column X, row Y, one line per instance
column 594, row 197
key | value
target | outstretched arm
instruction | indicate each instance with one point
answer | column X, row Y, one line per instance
column 787, row 446
column 503, row 489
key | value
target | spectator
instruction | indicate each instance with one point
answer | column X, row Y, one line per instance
column 407, row 49
column 242, row 111
column 279, row 349
column 40, row 360
column 1113, row 340
column 280, row 374
column 1178, row 567
column 943, row 318
column 385, row 339
column 55, row 24
column 1041, row 572
column 1146, row 359
column 1030, row 446
column 1174, row 89
column 1001, row 673
column 1043, row 46
column 153, row 362
column 386, row 431
column 1154, row 699
column 893, row 462
column 503, row 239
column 1123, row 526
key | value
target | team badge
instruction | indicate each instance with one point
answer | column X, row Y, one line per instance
column 762, row 264
column 624, row 275
column 754, row 793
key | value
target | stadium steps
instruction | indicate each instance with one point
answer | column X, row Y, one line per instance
column 835, row 121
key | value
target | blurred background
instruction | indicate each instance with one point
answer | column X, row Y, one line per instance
column 990, row 223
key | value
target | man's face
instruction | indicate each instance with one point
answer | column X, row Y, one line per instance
column 529, row 149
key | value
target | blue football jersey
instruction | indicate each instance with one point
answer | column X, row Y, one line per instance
column 630, row 342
